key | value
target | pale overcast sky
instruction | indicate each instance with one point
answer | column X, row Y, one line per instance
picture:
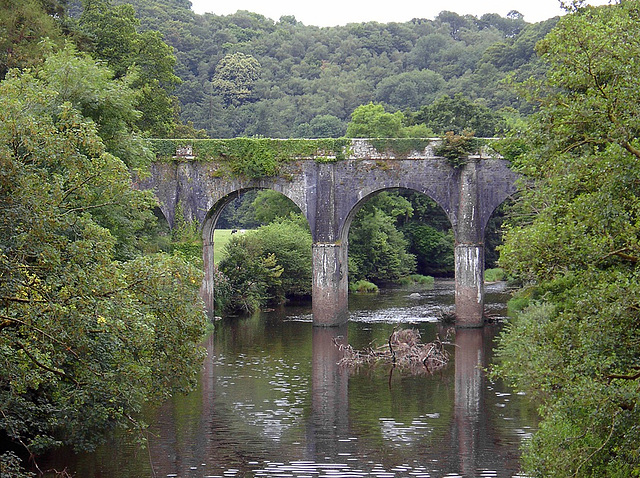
column 340, row 12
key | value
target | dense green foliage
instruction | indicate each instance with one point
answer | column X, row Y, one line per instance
column 575, row 238
column 372, row 121
column 458, row 114
column 377, row 249
column 90, row 329
column 18, row 49
column 145, row 58
column 432, row 248
column 266, row 266
column 246, row 75
column 111, row 34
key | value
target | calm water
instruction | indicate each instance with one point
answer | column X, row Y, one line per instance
column 273, row 403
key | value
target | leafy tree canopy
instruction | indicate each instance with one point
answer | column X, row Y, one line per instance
column 91, row 89
column 111, row 34
column 459, row 113
column 372, row 121
column 307, row 72
column 575, row 238
column 90, row 329
column 23, row 25
column 234, row 77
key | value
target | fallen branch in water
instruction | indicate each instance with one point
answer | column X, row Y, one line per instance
column 403, row 351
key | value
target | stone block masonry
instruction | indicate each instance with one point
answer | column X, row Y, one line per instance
column 329, row 194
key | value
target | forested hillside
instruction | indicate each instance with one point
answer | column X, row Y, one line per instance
column 245, row 75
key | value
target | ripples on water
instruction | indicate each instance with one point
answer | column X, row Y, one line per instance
column 273, row 403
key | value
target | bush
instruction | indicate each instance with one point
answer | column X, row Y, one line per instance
column 363, row 287
column 417, row 279
column 494, row 275
column 189, row 252
column 267, row 265
column 518, row 303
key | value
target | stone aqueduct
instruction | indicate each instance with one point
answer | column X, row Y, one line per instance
column 329, row 193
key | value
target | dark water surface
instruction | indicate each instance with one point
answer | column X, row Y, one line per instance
column 272, row 402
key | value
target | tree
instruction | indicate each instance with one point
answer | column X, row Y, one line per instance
column 91, row 89
column 432, row 248
column 85, row 339
column 372, row 121
column 145, row 58
column 377, row 249
column 154, row 64
column 410, row 89
column 322, row 126
column 458, row 114
column 24, row 24
column 234, row 77
column 270, row 206
column 110, row 106
column 268, row 265
column 111, row 31
column 576, row 240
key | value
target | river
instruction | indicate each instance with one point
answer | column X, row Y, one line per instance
column 272, row 402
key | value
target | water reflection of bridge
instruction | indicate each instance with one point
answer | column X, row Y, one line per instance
column 466, row 445
column 469, row 446
column 329, row 193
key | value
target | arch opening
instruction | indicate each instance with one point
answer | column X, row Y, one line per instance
column 395, row 234
column 261, row 254
column 493, row 238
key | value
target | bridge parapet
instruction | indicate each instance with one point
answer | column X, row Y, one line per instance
column 321, row 149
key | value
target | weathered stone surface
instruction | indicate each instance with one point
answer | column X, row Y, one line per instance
column 330, row 284
column 330, row 194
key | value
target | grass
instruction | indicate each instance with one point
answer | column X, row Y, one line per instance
column 417, row 279
column 363, row 287
column 220, row 239
column 494, row 275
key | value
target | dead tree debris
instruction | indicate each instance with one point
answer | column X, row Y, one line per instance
column 403, row 351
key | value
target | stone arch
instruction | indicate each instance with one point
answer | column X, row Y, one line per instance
column 214, row 212
column 207, row 290
column 498, row 184
column 328, row 194
column 490, row 239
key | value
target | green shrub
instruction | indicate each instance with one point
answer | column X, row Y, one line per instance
column 523, row 298
column 518, row 303
column 494, row 275
column 364, row 287
column 417, row 279
column 190, row 252
column 267, row 265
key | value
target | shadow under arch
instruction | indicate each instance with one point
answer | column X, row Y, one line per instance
column 343, row 232
column 492, row 231
column 208, row 229
column 428, row 213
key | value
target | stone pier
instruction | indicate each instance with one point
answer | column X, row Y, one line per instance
column 469, row 250
column 330, row 288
